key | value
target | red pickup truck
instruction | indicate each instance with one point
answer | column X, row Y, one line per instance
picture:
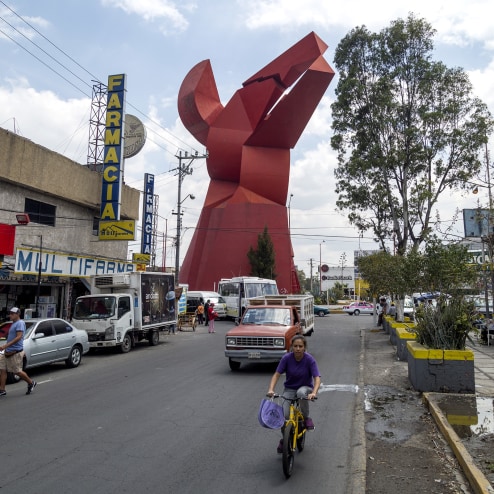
column 264, row 334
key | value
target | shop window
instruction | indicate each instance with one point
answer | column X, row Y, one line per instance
column 96, row 226
column 40, row 212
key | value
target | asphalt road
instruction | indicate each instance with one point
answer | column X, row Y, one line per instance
column 174, row 419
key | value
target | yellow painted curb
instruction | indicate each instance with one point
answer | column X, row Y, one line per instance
column 477, row 479
column 419, row 351
column 404, row 334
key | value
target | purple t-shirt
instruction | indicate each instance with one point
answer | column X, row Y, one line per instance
column 299, row 373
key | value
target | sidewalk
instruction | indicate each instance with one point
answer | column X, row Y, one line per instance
column 484, row 368
column 406, row 432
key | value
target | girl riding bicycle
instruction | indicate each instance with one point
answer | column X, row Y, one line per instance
column 302, row 378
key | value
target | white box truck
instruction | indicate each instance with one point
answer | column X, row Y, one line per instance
column 303, row 303
column 124, row 309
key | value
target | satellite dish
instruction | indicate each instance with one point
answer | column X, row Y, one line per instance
column 134, row 135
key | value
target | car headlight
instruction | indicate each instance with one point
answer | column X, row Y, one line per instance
column 230, row 340
column 279, row 342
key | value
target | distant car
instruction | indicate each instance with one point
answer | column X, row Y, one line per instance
column 320, row 311
column 53, row 340
column 357, row 308
column 4, row 329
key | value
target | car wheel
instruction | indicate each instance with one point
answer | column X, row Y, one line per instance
column 126, row 344
column 356, row 312
column 320, row 313
column 12, row 378
column 75, row 357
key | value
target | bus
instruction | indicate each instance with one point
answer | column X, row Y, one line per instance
column 237, row 290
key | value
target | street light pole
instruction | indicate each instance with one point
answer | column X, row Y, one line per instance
column 290, row 274
column 40, row 267
column 179, row 232
column 320, row 267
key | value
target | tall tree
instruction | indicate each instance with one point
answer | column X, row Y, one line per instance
column 406, row 129
column 262, row 260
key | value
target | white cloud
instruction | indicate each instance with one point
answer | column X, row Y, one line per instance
column 45, row 118
column 166, row 13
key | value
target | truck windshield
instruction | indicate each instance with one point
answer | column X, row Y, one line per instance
column 94, row 307
column 267, row 315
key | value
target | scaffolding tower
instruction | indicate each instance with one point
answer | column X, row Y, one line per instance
column 96, row 146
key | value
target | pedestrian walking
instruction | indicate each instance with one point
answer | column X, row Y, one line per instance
column 212, row 315
column 200, row 313
column 206, row 312
column 13, row 353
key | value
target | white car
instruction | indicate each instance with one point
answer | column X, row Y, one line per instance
column 53, row 340
column 357, row 308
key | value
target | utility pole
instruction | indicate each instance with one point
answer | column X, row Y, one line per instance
column 310, row 262
column 184, row 168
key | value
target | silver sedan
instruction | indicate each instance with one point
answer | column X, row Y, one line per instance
column 53, row 340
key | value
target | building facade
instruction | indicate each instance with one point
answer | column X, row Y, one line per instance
column 62, row 199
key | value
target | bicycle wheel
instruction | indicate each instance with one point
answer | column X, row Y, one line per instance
column 288, row 456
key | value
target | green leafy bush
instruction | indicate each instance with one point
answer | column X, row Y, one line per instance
column 446, row 326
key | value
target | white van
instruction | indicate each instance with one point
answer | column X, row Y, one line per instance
column 194, row 298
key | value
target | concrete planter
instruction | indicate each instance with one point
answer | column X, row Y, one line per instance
column 441, row 371
column 387, row 321
column 403, row 336
column 394, row 326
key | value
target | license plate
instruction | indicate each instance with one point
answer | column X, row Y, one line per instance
column 254, row 355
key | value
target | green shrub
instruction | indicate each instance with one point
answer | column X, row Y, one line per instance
column 446, row 326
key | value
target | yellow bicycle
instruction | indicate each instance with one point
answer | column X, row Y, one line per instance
column 294, row 431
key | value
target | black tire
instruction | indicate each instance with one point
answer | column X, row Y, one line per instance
column 12, row 378
column 356, row 312
column 126, row 344
column 154, row 337
column 320, row 313
column 288, row 457
column 234, row 366
column 75, row 357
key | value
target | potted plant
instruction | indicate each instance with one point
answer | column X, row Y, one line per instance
column 438, row 360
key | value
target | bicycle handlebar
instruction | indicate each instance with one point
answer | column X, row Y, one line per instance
column 290, row 399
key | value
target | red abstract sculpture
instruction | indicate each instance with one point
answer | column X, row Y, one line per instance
column 248, row 143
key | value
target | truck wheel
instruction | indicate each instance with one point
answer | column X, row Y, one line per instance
column 154, row 338
column 75, row 357
column 126, row 344
column 234, row 366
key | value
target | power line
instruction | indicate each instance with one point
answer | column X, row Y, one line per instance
column 93, row 77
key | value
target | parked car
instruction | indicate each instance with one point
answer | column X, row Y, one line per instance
column 357, row 308
column 320, row 311
column 4, row 329
column 53, row 340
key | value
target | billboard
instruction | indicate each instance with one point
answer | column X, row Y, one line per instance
column 478, row 222
column 147, row 214
column 113, row 155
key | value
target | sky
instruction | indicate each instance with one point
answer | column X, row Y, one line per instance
column 53, row 51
